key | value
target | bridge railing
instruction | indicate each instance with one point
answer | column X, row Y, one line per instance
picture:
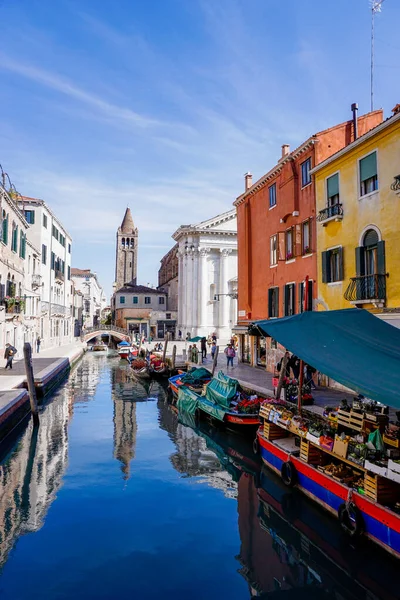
column 99, row 328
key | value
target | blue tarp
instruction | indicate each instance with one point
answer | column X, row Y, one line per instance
column 351, row 346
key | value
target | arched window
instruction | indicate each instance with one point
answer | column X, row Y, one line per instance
column 123, row 242
column 132, row 243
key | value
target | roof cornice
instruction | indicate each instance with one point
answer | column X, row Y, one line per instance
column 275, row 170
column 358, row 142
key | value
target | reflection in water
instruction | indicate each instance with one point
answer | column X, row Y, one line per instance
column 31, row 474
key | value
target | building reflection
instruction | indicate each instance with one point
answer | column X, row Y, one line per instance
column 32, row 472
column 83, row 381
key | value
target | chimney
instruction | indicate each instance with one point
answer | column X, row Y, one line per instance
column 396, row 109
column 248, row 181
column 285, row 150
column 354, row 108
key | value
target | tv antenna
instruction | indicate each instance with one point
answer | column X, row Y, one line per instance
column 376, row 7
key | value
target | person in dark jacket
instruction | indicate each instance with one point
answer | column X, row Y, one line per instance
column 279, row 365
column 9, row 355
column 295, row 366
column 203, row 345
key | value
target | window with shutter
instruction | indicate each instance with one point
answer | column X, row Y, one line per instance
column 368, row 174
column 273, row 303
column 332, row 186
column 289, row 302
column 332, row 265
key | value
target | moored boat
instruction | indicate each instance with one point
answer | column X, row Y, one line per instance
column 100, row 347
column 140, row 368
column 125, row 349
column 194, row 379
column 224, row 403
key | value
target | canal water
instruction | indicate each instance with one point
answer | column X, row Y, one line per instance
column 114, row 497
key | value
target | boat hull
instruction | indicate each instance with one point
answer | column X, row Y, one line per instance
column 381, row 525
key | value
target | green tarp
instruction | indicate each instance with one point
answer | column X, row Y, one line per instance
column 221, row 390
column 351, row 346
column 219, row 393
column 187, row 400
column 196, row 376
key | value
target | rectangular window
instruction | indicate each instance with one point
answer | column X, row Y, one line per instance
column 69, row 272
column 4, row 232
column 167, row 315
column 30, row 216
column 332, row 265
column 161, row 300
column 273, row 302
column 135, row 299
column 309, row 304
column 306, row 237
column 53, row 261
column 44, row 254
column 305, row 172
column 122, row 299
column 69, row 248
column 368, row 174
column 55, row 232
column 147, row 300
column 14, row 240
column 332, row 189
column 22, row 245
column 272, row 195
column 273, row 245
column 44, row 220
column 289, row 244
column 290, row 296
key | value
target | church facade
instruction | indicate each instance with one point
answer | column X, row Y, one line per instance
column 207, row 277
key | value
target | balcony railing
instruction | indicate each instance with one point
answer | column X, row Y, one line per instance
column 13, row 307
column 36, row 280
column 367, row 288
column 60, row 309
column 396, row 184
column 331, row 212
column 59, row 275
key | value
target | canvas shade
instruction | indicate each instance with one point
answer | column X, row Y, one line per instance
column 351, row 346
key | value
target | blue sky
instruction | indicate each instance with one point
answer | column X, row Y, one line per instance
column 163, row 105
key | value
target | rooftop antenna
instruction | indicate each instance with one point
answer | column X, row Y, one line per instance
column 376, row 7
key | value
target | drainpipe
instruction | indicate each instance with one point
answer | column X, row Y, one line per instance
column 354, row 108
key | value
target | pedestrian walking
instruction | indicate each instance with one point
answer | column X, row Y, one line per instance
column 295, row 366
column 195, row 354
column 309, row 372
column 214, row 337
column 203, row 346
column 179, row 335
column 213, row 350
column 38, row 342
column 9, row 354
column 278, row 366
column 230, row 355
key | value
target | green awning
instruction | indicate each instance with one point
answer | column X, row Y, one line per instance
column 351, row 346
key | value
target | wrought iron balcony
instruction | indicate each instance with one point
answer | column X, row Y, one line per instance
column 396, row 184
column 367, row 288
column 331, row 212
column 36, row 280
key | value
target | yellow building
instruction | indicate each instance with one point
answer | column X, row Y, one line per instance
column 358, row 234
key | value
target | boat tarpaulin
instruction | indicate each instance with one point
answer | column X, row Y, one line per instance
column 221, row 390
column 351, row 346
column 187, row 400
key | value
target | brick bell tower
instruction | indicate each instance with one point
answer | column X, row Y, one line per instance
column 126, row 252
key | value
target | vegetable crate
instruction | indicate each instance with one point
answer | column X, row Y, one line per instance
column 273, row 432
column 379, row 489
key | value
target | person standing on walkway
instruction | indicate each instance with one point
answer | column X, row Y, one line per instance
column 203, row 345
column 38, row 342
column 213, row 350
column 230, row 355
column 295, row 365
column 9, row 355
column 179, row 335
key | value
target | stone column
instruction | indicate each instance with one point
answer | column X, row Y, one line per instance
column 223, row 314
column 180, row 290
column 195, row 292
column 204, row 287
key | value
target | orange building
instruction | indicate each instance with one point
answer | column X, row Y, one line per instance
column 277, row 237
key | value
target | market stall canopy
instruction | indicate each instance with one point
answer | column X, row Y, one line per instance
column 351, row 346
column 195, row 339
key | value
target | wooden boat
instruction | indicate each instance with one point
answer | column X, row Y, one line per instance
column 195, row 379
column 158, row 369
column 140, row 368
column 125, row 349
column 299, row 459
column 100, row 347
column 224, row 403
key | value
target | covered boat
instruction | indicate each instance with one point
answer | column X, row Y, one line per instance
column 100, row 347
column 194, row 379
column 125, row 349
column 223, row 402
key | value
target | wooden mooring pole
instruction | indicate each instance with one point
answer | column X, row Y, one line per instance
column 165, row 347
column 31, row 382
column 215, row 361
column 282, row 375
column 173, row 359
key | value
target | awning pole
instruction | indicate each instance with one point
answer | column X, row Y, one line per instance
column 282, row 374
column 299, row 395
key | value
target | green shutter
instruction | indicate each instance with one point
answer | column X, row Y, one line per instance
column 333, row 185
column 360, row 261
column 341, row 265
column 381, row 258
column 300, row 298
column 368, row 167
column 326, row 267
column 286, row 301
column 5, row 230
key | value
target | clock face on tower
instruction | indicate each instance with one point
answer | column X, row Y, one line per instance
column 126, row 251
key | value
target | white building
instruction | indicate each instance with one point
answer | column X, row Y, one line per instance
column 47, row 233
column 207, row 276
column 94, row 299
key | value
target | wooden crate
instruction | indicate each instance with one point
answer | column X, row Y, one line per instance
column 273, row 432
column 390, row 442
column 309, row 453
column 380, row 489
column 265, row 410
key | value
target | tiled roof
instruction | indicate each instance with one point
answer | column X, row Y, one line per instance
column 130, row 288
column 82, row 272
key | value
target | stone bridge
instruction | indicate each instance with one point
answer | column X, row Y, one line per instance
column 116, row 332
